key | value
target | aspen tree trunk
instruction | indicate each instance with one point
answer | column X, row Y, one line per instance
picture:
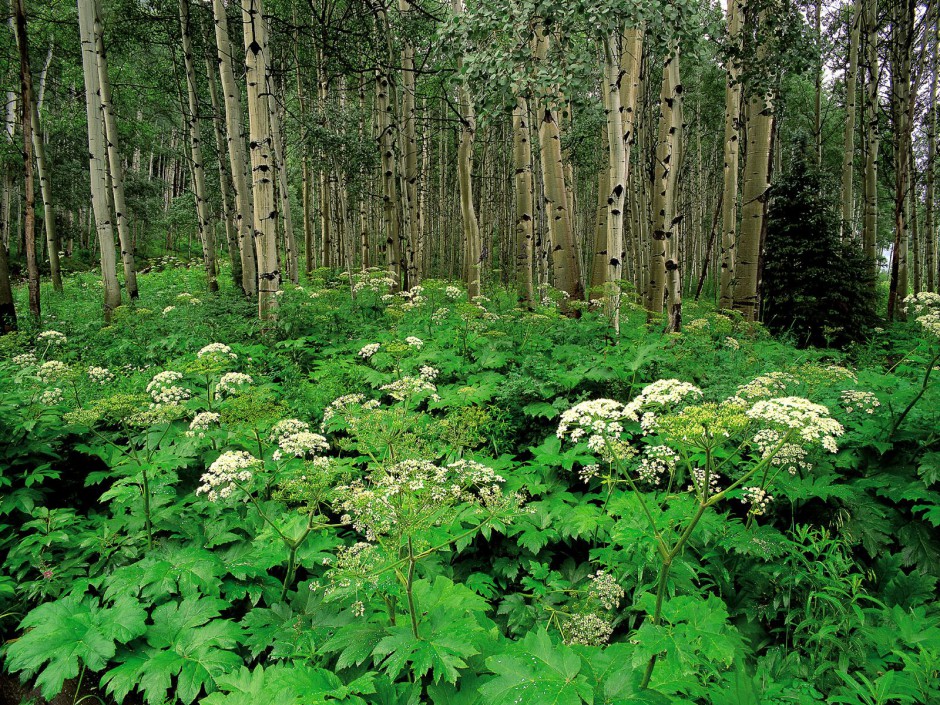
column 226, row 186
column 871, row 143
column 363, row 211
column 391, row 203
column 846, row 228
column 759, row 115
column 729, row 208
column 631, row 66
column 617, row 178
column 930, row 253
column 115, row 165
column 557, row 209
column 26, row 104
column 280, row 161
column 97, row 158
column 665, row 173
column 206, row 234
column 817, row 111
column 235, row 136
column 323, row 192
column 45, row 188
column 259, row 83
column 525, row 236
column 473, row 247
column 304, row 158
column 409, row 144
column 901, row 108
column 599, row 259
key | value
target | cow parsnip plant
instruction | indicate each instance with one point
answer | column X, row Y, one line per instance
column 398, row 498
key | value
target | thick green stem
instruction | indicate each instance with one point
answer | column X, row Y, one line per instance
column 409, row 591
column 289, row 575
column 923, row 388
column 145, row 489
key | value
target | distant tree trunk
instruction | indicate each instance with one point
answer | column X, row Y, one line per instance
column 525, row 235
column 97, row 157
column 258, row 77
column 902, row 38
column 846, row 227
column 115, row 165
column 238, row 163
column 557, row 203
column 473, row 247
column 226, row 186
column 663, row 252
column 729, row 208
column 617, row 176
column 45, row 182
column 409, row 146
column 871, row 142
column 206, row 234
column 326, row 227
column 280, row 160
column 391, row 203
column 930, row 255
column 26, row 103
column 759, row 116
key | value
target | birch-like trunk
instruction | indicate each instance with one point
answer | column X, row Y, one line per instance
column 26, row 105
column 665, row 173
column 97, row 158
column 238, row 163
column 557, row 205
column 45, row 182
column 729, row 199
column 226, row 186
column 872, row 141
column 930, row 251
column 258, row 78
column 847, row 228
column 115, row 164
column 617, row 177
column 525, row 235
column 206, row 234
column 287, row 220
column 409, row 146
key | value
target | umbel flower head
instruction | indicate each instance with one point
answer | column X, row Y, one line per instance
column 230, row 469
column 232, row 383
column 810, row 421
column 163, row 388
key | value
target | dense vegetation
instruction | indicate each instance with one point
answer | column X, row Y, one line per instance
column 413, row 497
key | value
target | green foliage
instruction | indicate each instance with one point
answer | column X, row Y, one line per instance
column 407, row 525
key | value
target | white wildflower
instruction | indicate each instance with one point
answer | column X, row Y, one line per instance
column 233, row 383
column 369, row 350
column 231, row 468
column 100, row 375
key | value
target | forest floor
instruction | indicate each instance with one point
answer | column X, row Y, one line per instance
column 402, row 498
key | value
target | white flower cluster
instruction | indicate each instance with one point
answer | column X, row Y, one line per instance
column 220, row 350
column 440, row 315
column 453, row 292
column 100, row 375
column 51, row 397
column 811, row 421
column 164, row 390
column 768, row 385
column 662, row 392
column 789, row 456
column 201, row 423
column 375, row 281
column 588, row 630
column 369, row 350
column 758, row 498
column 287, row 427
column 168, row 309
column 854, row 400
column 223, row 476
column 53, row 371
column 406, row 387
column 606, row 590
column 344, row 403
column 414, row 342
column 52, row 337
column 923, row 302
column 27, row 359
column 413, row 493
column 699, row 485
column 600, row 422
column 233, row 383
column 657, row 462
column 429, row 373
column 300, row 444
column 732, row 343
column 413, row 298
column 188, row 298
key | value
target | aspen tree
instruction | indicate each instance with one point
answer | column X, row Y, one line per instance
column 729, row 199
column 409, row 144
column 871, row 141
column 206, row 234
column 525, row 236
column 473, row 246
column 115, row 164
column 226, row 186
column 45, row 179
column 258, row 78
column 617, row 178
column 558, row 213
column 846, row 228
column 665, row 174
column 930, row 253
column 280, row 165
column 97, row 156
column 26, row 104
column 238, row 163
